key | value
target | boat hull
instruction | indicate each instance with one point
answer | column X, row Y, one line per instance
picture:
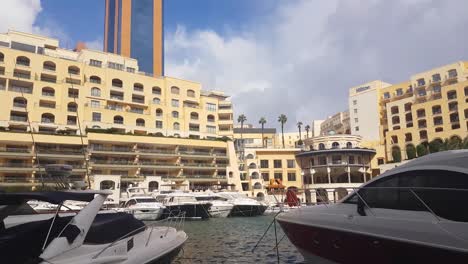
column 322, row 245
column 220, row 211
column 247, row 210
column 194, row 211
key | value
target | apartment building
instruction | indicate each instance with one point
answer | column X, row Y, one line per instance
column 431, row 105
column 336, row 124
column 102, row 99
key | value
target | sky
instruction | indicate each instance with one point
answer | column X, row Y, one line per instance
column 292, row 57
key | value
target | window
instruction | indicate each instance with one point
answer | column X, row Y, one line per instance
column 49, row 66
column 138, row 87
column 175, row 90
column 156, row 90
column 47, row 91
column 159, row 112
column 210, row 107
column 159, row 124
column 452, row 73
column 190, row 93
column 277, row 164
column 399, row 92
column 73, row 93
column 421, row 113
column 278, row 175
column 130, row 69
column 96, row 92
column 95, row 104
column 96, row 117
column 210, row 118
column 95, row 79
column 291, row 176
column 194, row 116
column 354, row 102
column 452, row 95
column 436, row 110
column 176, row 126
column 117, row 83
column 95, row 63
column 265, row 176
column 291, row 164
column 175, row 114
column 421, row 82
column 140, row 122
column 355, row 111
column 351, row 160
column 118, row 120
column 356, row 128
column 436, row 77
column 23, row 61
column 436, row 88
column 211, row 129
column 335, row 145
column 386, row 95
column 264, row 164
column 73, row 70
column 356, row 120
column 156, row 100
column 175, row 103
column 116, row 66
column 440, row 201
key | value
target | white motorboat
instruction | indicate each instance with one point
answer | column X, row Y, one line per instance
column 178, row 203
column 144, row 208
column 87, row 237
column 414, row 213
column 220, row 207
column 243, row 206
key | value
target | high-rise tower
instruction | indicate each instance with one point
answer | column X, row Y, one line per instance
column 134, row 28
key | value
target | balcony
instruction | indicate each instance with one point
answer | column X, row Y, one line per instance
column 195, row 153
column 156, row 152
column 199, row 166
column 161, row 165
column 128, row 150
column 117, row 97
column 48, row 79
column 22, row 75
column 73, row 81
column 19, row 118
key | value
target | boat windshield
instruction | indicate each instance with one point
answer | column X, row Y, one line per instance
column 210, row 198
column 146, row 200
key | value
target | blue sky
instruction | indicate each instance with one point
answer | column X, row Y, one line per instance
column 84, row 20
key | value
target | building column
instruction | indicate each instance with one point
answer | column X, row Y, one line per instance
column 328, row 174
column 349, row 174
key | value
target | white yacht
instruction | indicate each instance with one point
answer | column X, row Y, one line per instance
column 414, row 213
column 143, row 208
column 87, row 237
column 178, row 203
column 243, row 205
column 220, row 207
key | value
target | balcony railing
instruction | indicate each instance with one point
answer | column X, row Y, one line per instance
column 195, row 153
column 22, row 75
column 19, row 118
column 157, row 151
column 14, row 150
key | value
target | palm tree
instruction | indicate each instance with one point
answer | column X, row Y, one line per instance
column 282, row 119
column 262, row 122
column 299, row 125
column 307, row 129
column 241, row 119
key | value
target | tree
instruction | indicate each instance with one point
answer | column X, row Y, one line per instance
column 455, row 142
column 410, row 151
column 262, row 122
column 282, row 119
column 396, row 154
column 241, row 119
column 299, row 126
column 436, row 145
column 465, row 143
column 307, row 129
column 421, row 150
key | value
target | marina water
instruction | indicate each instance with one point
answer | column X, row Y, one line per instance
column 231, row 240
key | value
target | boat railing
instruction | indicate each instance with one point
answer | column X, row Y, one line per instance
column 175, row 221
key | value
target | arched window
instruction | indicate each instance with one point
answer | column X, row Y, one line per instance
column 466, row 91
column 20, row 102
column 210, row 118
column 176, row 126
column 2, row 57
column 72, row 107
column 175, row 114
column 95, row 79
column 255, row 176
column 321, row 146
column 49, row 66
column 73, row 70
column 48, row 91
column 190, row 93
column 95, row 92
column 138, row 87
column 175, row 90
column 194, row 116
column 349, row 145
column 156, row 90
column 117, row 83
column 153, row 185
column 118, row 119
column 252, row 166
column 257, row 186
column 23, row 61
column 47, row 118
column 335, row 145
column 140, row 122
column 156, row 100
column 249, row 156
column 159, row 112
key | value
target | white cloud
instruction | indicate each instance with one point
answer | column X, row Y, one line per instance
column 19, row 14
column 302, row 59
column 96, row 44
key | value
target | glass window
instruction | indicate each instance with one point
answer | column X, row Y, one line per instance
column 277, row 164
column 130, row 69
column 210, row 107
column 175, row 90
column 291, row 164
column 175, row 114
column 354, row 102
column 355, row 111
column 95, row 104
column 96, row 117
column 264, row 164
column 291, row 176
column 95, row 92
column 278, row 175
column 211, row 129
column 175, row 103
column 159, row 124
column 265, row 176
column 95, row 63
column 176, row 126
